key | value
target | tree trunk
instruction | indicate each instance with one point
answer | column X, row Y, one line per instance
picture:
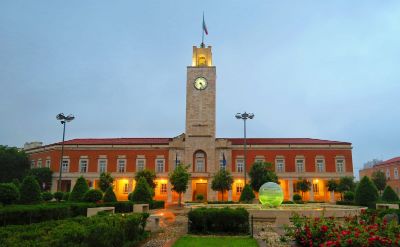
column 222, row 195
column 179, row 200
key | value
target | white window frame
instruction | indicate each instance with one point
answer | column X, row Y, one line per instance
column 48, row 163
column 396, row 173
column 119, row 162
column 99, row 165
column 280, row 165
column 158, row 163
column 320, row 161
column 65, row 168
column 342, row 168
column 240, row 165
column 200, row 162
column 39, row 163
column 388, row 173
column 303, row 163
column 259, row 160
column 81, row 162
column 139, row 163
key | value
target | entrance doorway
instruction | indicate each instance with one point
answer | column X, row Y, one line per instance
column 201, row 189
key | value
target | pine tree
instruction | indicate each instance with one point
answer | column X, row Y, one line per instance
column 389, row 195
column 142, row 192
column 30, row 191
column 79, row 190
column 366, row 193
column 109, row 195
column 247, row 194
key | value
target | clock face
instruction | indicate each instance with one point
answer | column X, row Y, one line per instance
column 200, row 83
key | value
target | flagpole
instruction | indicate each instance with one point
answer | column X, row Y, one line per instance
column 202, row 32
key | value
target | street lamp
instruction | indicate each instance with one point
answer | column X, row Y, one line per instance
column 244, row 116
column 63, row 119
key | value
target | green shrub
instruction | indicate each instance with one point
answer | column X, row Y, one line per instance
column 58, row 195
column 120, row 207
column 219, row 220
column 80, row 209
column 109, row 195
column 348, row 196
column 9, row 193
column 142, row 192
column 297, row 198
column 345, row 203
column 69, row 234
column 66, row 196
column 389, row 195
column 157, row 204
column 199, row 197
column 79, row 190
column 366, row 193
column 93, row 196
column 247, row 194
column 382, row 213
column 47, row 196
column 30, row 191
column 105, row 235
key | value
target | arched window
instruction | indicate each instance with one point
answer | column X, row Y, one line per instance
column 200, row 161
column 202, row 61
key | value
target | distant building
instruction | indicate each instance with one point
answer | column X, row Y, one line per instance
column 391, row 169
column 293, row 158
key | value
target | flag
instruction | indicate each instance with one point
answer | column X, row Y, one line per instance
column 223, row 160
column 204, row 26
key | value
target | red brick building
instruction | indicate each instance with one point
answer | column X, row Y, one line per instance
column 391, row 169
column 293, row 158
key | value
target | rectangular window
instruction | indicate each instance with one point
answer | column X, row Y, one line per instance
column 340, row 165
column 387, row 174
column 239, row 165
column 121, row 165
column 48, row 162
column 295, row 189
column 239, row 188
column 320, row 165
column 126, row 188
column 39, row 163
column 280, row 165
column 32, row 164
column 200, row 165
column 300, row 165
column 83, row 165
column 160, row 165
column 316, row 188
column 140, row 165
column 163, row 189
column 259, row 161
column 65, row 165
column 102, row 165
column 396, row 173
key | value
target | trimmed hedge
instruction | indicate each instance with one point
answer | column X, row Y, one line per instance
column 79, row 190
column 9, row 193
column 30, row 191
column 351, row 203
column 109, row 195
column 93, row 195
column 99, row 231
column 157, row 204
column 58, row 195
column 47, row 196
column 219, row 220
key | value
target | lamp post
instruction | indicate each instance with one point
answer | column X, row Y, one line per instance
column 63, row 119
column 244, row 116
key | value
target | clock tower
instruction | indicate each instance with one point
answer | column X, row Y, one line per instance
column 199, row 144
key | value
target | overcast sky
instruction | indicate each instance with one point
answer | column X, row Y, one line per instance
column 316, row 69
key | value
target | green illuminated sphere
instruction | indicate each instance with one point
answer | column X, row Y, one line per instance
column 270, row 194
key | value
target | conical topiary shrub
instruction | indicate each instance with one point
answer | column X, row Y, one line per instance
column 93, row 195
column 109, row 195
column 247, row 194
column 389, row 195
column 30, row 191
column 79, row 190
column 366, row 193
column 142, row 192
column 9, row 193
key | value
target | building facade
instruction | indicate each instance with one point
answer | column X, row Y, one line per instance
column 294, row 158
column 391, row 170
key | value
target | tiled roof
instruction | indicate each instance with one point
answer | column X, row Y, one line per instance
column 280, row 141
column 117, row 141
column 386, row 162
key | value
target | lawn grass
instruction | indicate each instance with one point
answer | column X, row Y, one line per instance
column 225, row 241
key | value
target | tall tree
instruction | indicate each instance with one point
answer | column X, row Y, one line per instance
column 379, row 179
column 106, row 181
column 260, row 173
column 13, row 164
column 142, row 192
column 179, row 179
column 366, row 193
column 44, row 177
column 303, row 185
column 30, row 191
column 149, row 176
column 345, row 184
column 222, row 181
column 332, row 185
column 389, row 195
column 79, row 190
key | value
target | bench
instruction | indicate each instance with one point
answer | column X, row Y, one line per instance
column 93, row 211
column 386, row 206
column 153, row 223
column 141, row 208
